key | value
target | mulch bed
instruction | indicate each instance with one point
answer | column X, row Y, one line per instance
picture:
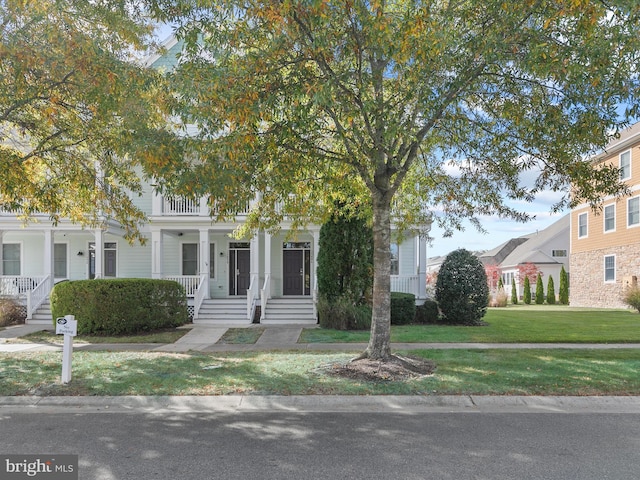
column 397, row 368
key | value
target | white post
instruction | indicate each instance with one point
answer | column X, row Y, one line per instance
column 422, row 267
column 99, row 246
column 67, row 326
column 156, row 254
column 205, row 261
column 267, row 257
column 48, row 252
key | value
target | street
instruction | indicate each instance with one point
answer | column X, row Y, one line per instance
column 150, row 443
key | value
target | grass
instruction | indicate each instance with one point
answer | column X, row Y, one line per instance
column 241, row 335
column 46, row 336
column 490, row 371
column 514, row 324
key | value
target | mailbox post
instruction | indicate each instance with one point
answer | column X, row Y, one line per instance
column 67, row 326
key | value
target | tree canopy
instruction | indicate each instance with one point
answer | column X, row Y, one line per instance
column 447, row 102
column 77, row 111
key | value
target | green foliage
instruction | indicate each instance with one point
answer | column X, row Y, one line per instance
column 551, row 291
column 427, row 313
column 11, row 312
column 69, row 97
column 563, row 294
column 461, row 289
column 403, row 308
column 120, row 306
column 632, row 297
column 539, row 290
column 345, row 257
column 514, row 292
column 526, row 296
column 500, row 283
column 341, row 314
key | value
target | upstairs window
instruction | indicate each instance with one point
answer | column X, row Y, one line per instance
column 609, row 218
column 633, row 211
column 582, row 225
column 558, row 253
column 625, row 165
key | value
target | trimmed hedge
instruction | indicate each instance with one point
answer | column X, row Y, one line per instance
column 403, row 308
column 342, row 314
column 427, row 313
column 120, row 306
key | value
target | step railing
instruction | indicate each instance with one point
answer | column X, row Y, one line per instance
column 265, row 295
column 199, row 296
column 38, row 295
column 252, row 297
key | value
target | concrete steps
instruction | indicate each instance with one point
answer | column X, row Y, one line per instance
column 290, row 311
column 42, row 316
column 223, row 311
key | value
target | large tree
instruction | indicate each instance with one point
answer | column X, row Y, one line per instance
column 77, row 108
column 445, row 102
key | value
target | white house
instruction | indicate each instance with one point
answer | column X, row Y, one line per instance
column 225, row 279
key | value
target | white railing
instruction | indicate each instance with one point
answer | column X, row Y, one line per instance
column 180, row 206
column 252, row 297
column 265, row 295
column 199, row 296
column 406, row 284
column 17, row 285
column 38, row 295
column 189, row 282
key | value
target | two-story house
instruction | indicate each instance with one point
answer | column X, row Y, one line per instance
column 226, row 279
column 605, row 246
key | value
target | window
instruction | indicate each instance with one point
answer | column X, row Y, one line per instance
column 395, row 259
column 625, row 165
column 11, row 259
column 189, row 259
column 60, row 260
column 609, row 218
column 558, row 253
column 610, row 268
column 633, row 211
column 212, row 260
column 582, row 225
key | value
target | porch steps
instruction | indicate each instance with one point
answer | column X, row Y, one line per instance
column 223, row 311
column 289, row 311
column 42, row 316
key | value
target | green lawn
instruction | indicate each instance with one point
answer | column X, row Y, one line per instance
column 45, row 336
column 490, row 371
column 514, row 324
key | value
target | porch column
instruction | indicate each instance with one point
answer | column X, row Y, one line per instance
column 156, row 254
column 205, row 261
column 98, row 235
column 48, row 253
column 156, row 203
column 267, row 257
column 255, row 255
column 1, row 252
column 316, row 247
column 204, row 207
column 422, row 267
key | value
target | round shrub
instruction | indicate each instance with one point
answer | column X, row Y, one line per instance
column 120, row 306
column 461, row 289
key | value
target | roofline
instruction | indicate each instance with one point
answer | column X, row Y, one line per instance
column 167, row 44
column 617, row 146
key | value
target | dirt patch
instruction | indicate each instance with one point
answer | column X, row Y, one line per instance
column 397, row 368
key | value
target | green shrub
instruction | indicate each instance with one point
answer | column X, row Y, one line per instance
column 11, row 312
column 563, row 293
column 341, row 314
column 427, row 313
column 120, row 306
column 403, row 308
column 526, row 295
column 632, row 297
column 514, row 292
column 461, row 289
column 551, row 291
column 539, row 290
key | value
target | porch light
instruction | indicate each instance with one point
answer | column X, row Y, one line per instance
column 80, row 253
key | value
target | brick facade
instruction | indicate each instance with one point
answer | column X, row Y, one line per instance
column 588, row 289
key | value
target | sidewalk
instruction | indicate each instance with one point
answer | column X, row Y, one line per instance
column 205, row 338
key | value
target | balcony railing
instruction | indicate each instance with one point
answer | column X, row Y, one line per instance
column 180, row 206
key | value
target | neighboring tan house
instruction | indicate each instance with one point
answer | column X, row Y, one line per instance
column 225, row 278
column 547, row 250
column 605, row 247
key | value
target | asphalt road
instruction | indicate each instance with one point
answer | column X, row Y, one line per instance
column 149, row 443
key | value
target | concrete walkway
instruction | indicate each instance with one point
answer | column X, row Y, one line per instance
column 205, row 338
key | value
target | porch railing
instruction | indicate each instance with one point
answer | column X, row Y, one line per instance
column 189, row 282
column 406, row 284
column 38, row 295
column 180, row 206
column 199, row 296
column 265, row 295
column 252, row 297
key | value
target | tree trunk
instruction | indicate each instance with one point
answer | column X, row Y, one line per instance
column 379, row 347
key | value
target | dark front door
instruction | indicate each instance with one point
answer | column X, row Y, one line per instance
column 239, row 271
column 293, row 272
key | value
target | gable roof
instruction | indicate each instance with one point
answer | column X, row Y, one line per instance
column 627, row 138
column 497, row 255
